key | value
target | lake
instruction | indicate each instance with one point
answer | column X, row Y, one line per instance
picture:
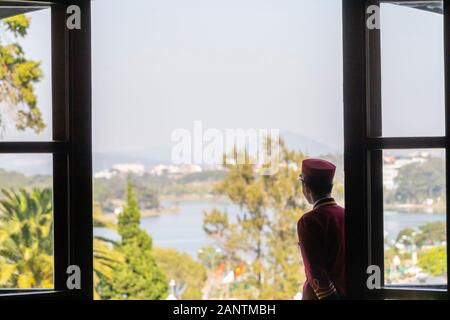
column 183, row 230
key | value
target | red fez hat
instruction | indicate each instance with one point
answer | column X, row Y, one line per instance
column 318, row 169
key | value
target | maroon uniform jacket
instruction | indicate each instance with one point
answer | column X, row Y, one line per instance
column 322, row 246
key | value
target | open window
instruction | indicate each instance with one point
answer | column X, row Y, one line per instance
column 46, row 128
column 396, row 109
column 379, row 88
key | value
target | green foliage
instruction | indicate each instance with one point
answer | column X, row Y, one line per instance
column 18, row 25
column 211, row 257
column 202, row 176
column 138, row 277
column 98, row 218
column 15, row 180
column 266, row 230
column 146, row 189
column 434, row 260
column 420, row 181
column 408, row 232
column 215, row 223
column 431, row 233
column 129, row 221
column 18, row 77
column 26, row 246
column 106, row 260
column 188, row 274
column 26, row 242
column 106, row 257
column 150, row 188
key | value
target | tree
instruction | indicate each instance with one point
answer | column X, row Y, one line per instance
column 18, row 76
column 434, row 261
column 407, row 232
column 242, row 187
column 285, row 198
column 106, row 191
column 418, row 182
column 265, row 233
column 26, row 241
column 138, row 277
column 189, row 275
column 106, row 258
column 431, row 233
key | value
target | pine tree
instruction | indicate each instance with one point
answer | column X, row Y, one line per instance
column 139, row 276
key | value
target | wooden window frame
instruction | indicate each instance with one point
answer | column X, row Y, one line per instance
column 72, row 153
column 363, row 161
column 71, row 148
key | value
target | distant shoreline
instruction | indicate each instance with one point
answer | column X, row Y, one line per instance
column 173, row 201
column 193, row 197
column 416, row 208
column 111, row 217
column 159, row 211
column 173, row 207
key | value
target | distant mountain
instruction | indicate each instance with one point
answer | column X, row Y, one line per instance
column 161, row 154
column 307, row 145
column 155, row 155
column 37, row 164
column 42, row 164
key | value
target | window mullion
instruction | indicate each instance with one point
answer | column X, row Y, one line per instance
column 447, row 120
column 34, row 147
column 374, row 157
column 60, row 132
column 406, row 143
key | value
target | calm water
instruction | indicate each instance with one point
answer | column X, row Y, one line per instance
column 183, row 230
column 394, row 222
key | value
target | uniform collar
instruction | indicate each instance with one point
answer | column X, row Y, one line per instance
column 323, row 202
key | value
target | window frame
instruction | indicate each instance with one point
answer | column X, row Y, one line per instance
column 71, row 148
column 72, row 153
column 363, row 160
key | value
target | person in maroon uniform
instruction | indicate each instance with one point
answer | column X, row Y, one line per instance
column 321, row 234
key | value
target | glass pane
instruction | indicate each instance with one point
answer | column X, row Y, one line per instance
column 412, row 71
column 26, row 221
column 414, row 217
column 25, row 76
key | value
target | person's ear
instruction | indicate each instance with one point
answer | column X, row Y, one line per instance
column 307, row 189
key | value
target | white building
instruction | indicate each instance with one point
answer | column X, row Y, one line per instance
column 129, row 168
column 122, row 169
column 104, row 174
column 167, row 170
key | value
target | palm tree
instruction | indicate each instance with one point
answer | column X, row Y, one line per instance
column 26, row 232
column 26, row 242
column 106, row 258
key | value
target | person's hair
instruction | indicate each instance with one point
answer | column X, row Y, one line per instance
column 319, row 187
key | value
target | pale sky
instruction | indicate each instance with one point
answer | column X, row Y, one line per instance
column 158, row 65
